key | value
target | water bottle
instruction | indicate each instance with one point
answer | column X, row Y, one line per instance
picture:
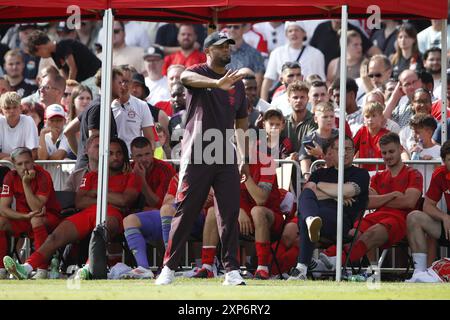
column 357, row 278
column 416, row 154
column 54, row 268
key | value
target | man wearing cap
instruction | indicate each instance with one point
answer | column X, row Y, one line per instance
column 132, row 115
column 216, row 101
column 155, row 81
column 310, row 59
column 53, row 143
column 188, row 54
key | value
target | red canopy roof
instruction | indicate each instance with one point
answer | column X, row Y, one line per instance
column 226, row 10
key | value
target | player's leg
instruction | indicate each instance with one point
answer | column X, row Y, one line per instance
column 167, row 212
column 5, row 231
column 209, row 245
column 263, row 218
column 420, row 225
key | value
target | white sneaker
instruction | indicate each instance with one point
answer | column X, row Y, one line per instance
column 3, row 274
column 314, row 225
column 233, row 278
column 329, row 262
column 165, row 277
column 298, row 273
column 138, row 273
column 40, row 274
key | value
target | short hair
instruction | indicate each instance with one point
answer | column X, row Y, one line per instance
column 9, row 98
column 350, row 85
column 331, row 141
column 425, row 77
column 290, row 65
column 297, row 86
column 430, row 50
column 352, row 34
column 140, row 142
column 98, row 76
column 19, row 151
column 91, row 139
column 376, row 92
column 59, row 81
column 324, row 107
column 373, row 108
column 422, row 121
column 422, row 90
column 390, row 137
column 318, row 84
column 72, row 83
column 37, row 38
column 313, row 78
column 175, row 66
column 273, row 112
column 13, row 53
column 445, row 149
column 383, row 58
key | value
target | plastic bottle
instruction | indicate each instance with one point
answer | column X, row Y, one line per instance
column 54, row 268
column 416, row 154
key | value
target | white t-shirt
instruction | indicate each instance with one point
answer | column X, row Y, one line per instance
column 61, row 143
column 312, row 61
column 429, row 38
column 159, row 90
column 131, row 118
column 427, row 171
column 281, row 102
column 25, row 134
column 275, row 37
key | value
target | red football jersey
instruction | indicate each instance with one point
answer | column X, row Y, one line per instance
column 158, row 178
column 118, row 183
column 368, row 147
column 173, row 186
column 382, row 182
column 41, row 185
column 440, row 184
column 178, row 57
column 165, row 106
column 263, row 175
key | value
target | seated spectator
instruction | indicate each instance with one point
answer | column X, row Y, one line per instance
column 173, row 76
column 14, row 67
column 70, row 56
column 393, row 193
column 179, row 113
column 36, row 210
column 311, row 146
column 259, row 215
column 154, row 174
column 317, row 205
column 155, row 80
column 243, row 55
column 35, row 111
column 354, row 58
column 290, row 72
column 70, row 85
column 167, row 37
column 368, row 136
column 276, row 145
column 164, row 141
column 4, row 85
column 188, row 54
column 154, row 226
column 436, row 108
column 53, row 143
column 431, row 222
column 123, row 190
column 377, row 95
column 438, row 132
column 254, row 110
column 80, row 99
column 51, row 89
column 432, row 64
column 407, row 55
column 379, row 70
column 310, row 59
column 16, row 129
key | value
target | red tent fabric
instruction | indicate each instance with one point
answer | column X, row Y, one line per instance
column 226, row 10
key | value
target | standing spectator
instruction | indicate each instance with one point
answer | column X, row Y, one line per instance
column 173, row 76
column 167, row 37
column 290, row 72
column 53, row 143
column 243, row 55
column 132, row 115
column 385, row 37
column 80, row 98
column 255, row 40
column 273, row 32
column 432, row 64
column 14, row 68
column 407, row 55
column 134, row 32
column 310, row 59
column 16, row 129
column 188, row 54
column 254, row 114
column 431, row 36
column 155, row 80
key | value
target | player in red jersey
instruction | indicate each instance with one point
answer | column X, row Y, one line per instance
column 123, row 190
column 393, row 192
column 432, row 221
column 259, row 215
column 37, row 210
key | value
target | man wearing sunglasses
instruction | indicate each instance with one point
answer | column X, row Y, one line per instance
column 379, row 70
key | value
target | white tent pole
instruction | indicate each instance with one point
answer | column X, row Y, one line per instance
column 342, row 103
column 444, row 81
column 105, row 118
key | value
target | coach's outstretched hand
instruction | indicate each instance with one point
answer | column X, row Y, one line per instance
column 229, row 79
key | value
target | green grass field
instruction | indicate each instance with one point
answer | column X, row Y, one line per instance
column 212, row 289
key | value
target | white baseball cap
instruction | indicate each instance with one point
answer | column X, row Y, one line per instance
column 54, row 110
column 299, row 24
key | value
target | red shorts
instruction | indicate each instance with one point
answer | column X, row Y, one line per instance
column 277, row 225
column 24, row 226
column 85, row 220
column 395, row 225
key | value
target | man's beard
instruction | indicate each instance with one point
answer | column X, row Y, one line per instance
column 187, row 46
column 434, row 71
column 224, row 61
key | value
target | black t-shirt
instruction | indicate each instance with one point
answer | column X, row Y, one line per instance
column 387, row 45
column 327, row 40
column 213, row 110
column 90, row 119
column 154, row 111
column 404, row 64
column 30, row 71
column 87, row 63
column 167, row 35
column 351, row 174
column 24, row 89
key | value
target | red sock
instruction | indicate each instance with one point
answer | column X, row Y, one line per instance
column 263, row 253
column 36, row 260
column 3, row 247
column 40, row 235
column 358, row 251
column 208, row 255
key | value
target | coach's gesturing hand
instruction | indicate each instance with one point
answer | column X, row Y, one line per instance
column 228, row 80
